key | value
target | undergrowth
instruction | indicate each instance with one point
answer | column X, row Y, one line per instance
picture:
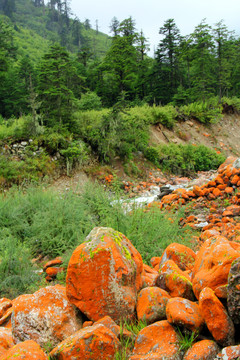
column 40, row 221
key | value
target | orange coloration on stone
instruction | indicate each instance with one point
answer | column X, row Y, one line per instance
column 197, row 191
column 213, row 263
column 183, row 256
column 207, row 234
column 229, row 190
column 54, row 262
column 45, row 316
column 6, row 318
column 217, row 192
column 155, row 342
column 168, row 199
column 155, row 261
column 219, row 180
column 229, row 353
column 96, row 342
column 53, row 271
column 149, row 276
column 104, row 275
column 27, row 350
column 221, row 292
column 174, row 281
column 6, row 340
column 202, row 350
column 151, row 304
column 216, row 317
column 87, row 323
column 183, row 312
column 110, row 324
column 235, row 179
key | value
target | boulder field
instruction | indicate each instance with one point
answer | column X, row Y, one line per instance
column 183, row 294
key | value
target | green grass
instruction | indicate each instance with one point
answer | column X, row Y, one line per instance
column 40, row 221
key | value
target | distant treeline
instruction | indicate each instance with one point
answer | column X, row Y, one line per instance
column 184, row 69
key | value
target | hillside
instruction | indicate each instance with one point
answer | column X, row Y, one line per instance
column 38, row 27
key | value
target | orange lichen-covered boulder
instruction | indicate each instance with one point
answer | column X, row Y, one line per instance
column 213, row 264
column 216, row 317
column 229, row 353
column 45, row 316
column 176, row 282
column 27, row 350
column 151, row 304
column 104, row 275
column 202, row 350
column 95, row 342
column 183, row 312
column 158, row 341
column 183, row 256
column 149, row 276
column 6, row 340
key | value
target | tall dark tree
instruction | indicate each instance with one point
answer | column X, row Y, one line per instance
column 8, row 7
column 55, row 94
column 167, row 59
column 114, row 26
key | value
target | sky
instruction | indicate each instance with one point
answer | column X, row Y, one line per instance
column 150, row 15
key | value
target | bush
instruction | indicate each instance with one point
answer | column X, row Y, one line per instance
column 89, row 101
column 206, row 112
column 184, row 159
column 165, row 115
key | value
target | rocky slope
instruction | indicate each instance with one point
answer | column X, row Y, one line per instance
column 184, row 292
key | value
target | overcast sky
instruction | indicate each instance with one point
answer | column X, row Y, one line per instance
column 151, row 14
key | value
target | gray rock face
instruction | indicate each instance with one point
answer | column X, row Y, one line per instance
column 233, row 296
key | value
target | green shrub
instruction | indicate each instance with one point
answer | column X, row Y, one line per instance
column 205, row 112
column 184, row 159
column 89, row 101
column 16, row 271
column 165, row 115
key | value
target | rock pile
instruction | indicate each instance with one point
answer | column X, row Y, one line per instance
column 183, row 292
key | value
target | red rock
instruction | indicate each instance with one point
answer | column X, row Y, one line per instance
column 87, row 323
column 183, row 256
column 235, row 179
column 53, row 271
column 110, row 269
column 54, row 262
column 149, row 276
column 197, row 191
column 174, row 281
column 229, row 190
column 151, row 304
column 217, row 192
column 27, row 350
column 234, row 209
column 183, row 312
column 216, row 317
column 96, row 342
column 202, row 350
column 221, row 292
column 155, row 261
column 45, row 316
column 6, row 340
column 229, row 353
column 212, row 264
column 158, row 341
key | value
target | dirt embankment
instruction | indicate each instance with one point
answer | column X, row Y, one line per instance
column 223, row 136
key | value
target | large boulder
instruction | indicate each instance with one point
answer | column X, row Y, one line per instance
column 45, row 316
column 213, row 263
column 27, row 350
column 233, row 292
column 104, row 276
column 151, row 304
column 183, row 312
column 158, row 341
column 216, row 317
column 95, row 342
column 183, row 256
column 202, row 350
